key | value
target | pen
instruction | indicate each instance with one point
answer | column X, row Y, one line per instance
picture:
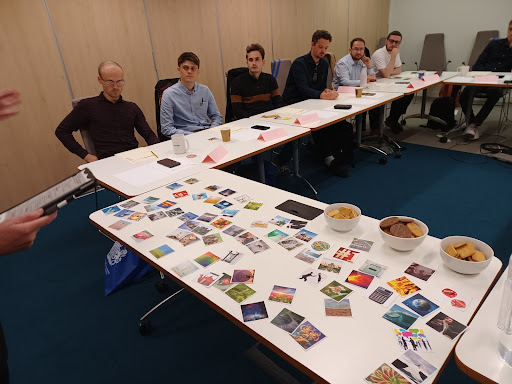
column 202, row 101
column 154, row 154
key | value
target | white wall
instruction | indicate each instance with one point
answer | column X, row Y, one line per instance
column 459, row 20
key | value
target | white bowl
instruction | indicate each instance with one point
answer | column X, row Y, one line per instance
column 400, row 243
column 342, row 225
column 463, row 266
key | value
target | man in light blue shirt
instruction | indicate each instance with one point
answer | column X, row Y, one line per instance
column 348, row 68
column 186, row 105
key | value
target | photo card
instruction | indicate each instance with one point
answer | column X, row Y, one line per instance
column 208, row 279
column 254, row 311
column 360, row 279
column 336, row 291
column 413, row 338
column 257, row 246
column 307, row 335
column 240, row 292
column 335, row 308
column 414, row 367
column 400, row 316
column 174, row 186
column 420, row 271
column 206, row 259
column 403, row 286
column 287, row 320
column 446, row 325
column 282, row 294
column 420, row 304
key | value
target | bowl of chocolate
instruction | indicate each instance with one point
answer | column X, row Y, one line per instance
column 402, row 233
column 465, row 255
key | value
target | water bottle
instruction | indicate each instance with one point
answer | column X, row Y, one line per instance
column 364, row 75
column 505, row 320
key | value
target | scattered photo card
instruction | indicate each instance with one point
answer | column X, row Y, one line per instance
column 420, row 271
column 199, row 196
column 151, row 207
column 144, row 235
column 234, row 230
column 129, row 204
column 279, row 221
column 192, row 180
column 281, row 294
column 188, row 239
column 213, row 200
column 136, row 216
column 223, row 204
column 401, row 317
column 446, row 325
column 157, row 216
column 290, row 244
column 166, row 204
column 189, row 225
column 372, row 268
column 330, row 265
column 413, row 338
column 178, row 234
column 420, row 304
column 257, row 246
column 246, row 238
column 110, row 210
column 386, row 375
column 240, row 292
column 307, row 335
column 174, row 186
column 243, row 199
column 119, row 224
column 201, row 231
column 227, row 192
column 229, row 212
column 150, row 199
column 259, row 224
column 346, row 254
column 334, row 308
column 161, row 251
column 224, row 282
column 188, row 216
column 305, row 235
column 383, row 296
column 220, row 223
column 208, row 279
column 212, row 188
column 403, row 286
column 320, row 246
column 276, row 235
column 232, row 257
column 336, row 291
column 312, row 276
column 174, row 212
column 179, row 194
column 296, row 224
column 360, row 279
column 243, row 276
column 185, row 268
column 206, row 259
column 253, row 205
column 361, row 245
column 214, row 238
column 307, row 256
column 124, row 213
column 207, row 217
column 254, row 311
column 287, row 320
column 454, row 298
column 414, row 367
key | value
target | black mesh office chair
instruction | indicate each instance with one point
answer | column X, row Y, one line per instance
column 160, row 87
column 231, row 75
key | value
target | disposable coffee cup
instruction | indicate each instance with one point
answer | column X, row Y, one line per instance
column 359, row 91
column 179, row 143
column 226, row 134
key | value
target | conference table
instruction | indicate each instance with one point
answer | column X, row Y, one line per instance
column 483, row 363
column 352, row 346
column 129, row 179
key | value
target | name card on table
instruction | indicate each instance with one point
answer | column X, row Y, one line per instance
column 345, row 89
column 486, row 79
column 272, row 135
column 431, row 78
column 306, row 119
column 416, row 84
column 216, row 155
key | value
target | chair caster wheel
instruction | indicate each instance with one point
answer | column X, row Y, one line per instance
column 162, row 286
column 443, row 139
column 383, row 160
column 145, row 327
column 398, row 154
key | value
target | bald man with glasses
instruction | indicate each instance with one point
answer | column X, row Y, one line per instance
column 109, row 119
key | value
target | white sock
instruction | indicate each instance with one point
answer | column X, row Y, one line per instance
column 328, row 160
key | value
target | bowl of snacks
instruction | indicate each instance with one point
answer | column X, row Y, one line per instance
column 465, row 255
column 342, row 216
column 402, row 233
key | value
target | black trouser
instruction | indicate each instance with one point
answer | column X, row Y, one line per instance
column 398, row 108
column 4, row 369
column 466, row 101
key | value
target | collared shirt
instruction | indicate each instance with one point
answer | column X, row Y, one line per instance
column 348, row 72
column 250, row 96
column 110, row 126
column 496, row 57
column 381, row 58
column 185, row 112
column 300, row 85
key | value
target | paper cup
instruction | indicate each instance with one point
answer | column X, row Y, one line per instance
column 226, row 134
column 359, row 91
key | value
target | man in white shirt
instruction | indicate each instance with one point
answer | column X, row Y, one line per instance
column 386, row 61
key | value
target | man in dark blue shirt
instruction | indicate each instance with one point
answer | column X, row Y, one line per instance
column 496, row 57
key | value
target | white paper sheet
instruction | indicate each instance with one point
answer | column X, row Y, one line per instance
column 149, row 173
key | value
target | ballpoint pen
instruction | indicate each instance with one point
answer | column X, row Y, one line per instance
column 154, row 154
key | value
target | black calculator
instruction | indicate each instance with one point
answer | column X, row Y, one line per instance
column 380, row 295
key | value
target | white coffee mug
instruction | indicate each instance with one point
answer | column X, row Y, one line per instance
column 179, row 143
column 464, row 69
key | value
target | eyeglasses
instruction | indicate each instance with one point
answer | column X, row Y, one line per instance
column 315, row 74
column 111, row 82
column 357, row 49
column 394, row 41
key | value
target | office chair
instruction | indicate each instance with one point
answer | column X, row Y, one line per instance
column 231, row 75
column 481, row 40
column 160, row 87
column 280, row 69
column 433, row 55
column 382, row 42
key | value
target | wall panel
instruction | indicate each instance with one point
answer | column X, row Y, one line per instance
column 369, row 10
column 332, row 15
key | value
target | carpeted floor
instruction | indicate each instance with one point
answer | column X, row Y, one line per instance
column 61, row 329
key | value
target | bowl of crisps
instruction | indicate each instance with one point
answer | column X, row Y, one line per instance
column 402, row 233
column 465, row 255
column 342, row 217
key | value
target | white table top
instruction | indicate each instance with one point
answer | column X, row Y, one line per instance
column 470, row 80
column 390, row 84
column 354, row 346
column 325, row 109
column 483, row 363
column 132, row 179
